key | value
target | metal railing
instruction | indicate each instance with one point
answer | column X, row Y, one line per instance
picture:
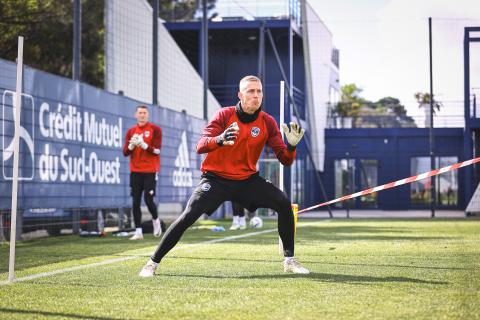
column 336, row 122
column 220, row 10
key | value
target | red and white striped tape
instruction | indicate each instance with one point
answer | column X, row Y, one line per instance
column 396, row 183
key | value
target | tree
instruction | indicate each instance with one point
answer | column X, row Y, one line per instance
column 47, row 26
column 423, row 100
column 350, row 101
column 386, row 112
column 393, row 106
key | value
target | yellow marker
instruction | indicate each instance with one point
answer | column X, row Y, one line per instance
column 295, row 218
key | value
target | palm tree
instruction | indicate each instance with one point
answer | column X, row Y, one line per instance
column 423, row 100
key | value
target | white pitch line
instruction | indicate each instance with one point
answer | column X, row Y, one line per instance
column 110, row 261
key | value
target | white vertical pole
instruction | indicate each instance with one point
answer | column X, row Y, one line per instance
column 16, row 144
column 282, row 120
column 280, row 172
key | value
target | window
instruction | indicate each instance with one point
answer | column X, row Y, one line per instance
column 298, row 180
column 446, row 184
column 368, row 179
column 344, row 179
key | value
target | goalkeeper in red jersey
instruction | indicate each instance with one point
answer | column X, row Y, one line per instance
column 234, row 140
column 142, row 144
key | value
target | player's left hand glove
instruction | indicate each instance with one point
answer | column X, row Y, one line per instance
column 293, row 134
column 142, row 144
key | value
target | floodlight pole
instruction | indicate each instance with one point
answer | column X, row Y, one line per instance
column 77, row 40
column 155, row 53
column 204, row 38
column 16, row 144
column 281, row 170
column 281, row 174
column 432, row 151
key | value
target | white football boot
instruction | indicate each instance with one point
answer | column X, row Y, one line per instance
column 293, row 266
column 149, row 269
column 138, row 234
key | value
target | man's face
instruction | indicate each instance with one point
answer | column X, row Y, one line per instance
column 251, row 96
column 142, row 116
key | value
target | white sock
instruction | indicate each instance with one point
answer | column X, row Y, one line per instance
column 138, row 231
column 156, row 220
column 287, row 259
column 235, row 220
column 152, row 262
column 242, row 221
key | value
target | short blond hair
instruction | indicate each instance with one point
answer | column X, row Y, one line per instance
column 247, row 79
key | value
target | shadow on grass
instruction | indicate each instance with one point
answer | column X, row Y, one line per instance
column 37, row 313
column 317, row 262
column 324, row 277
column 394, row 266
column 358, row 233
column 46, row 251
column 325, row 232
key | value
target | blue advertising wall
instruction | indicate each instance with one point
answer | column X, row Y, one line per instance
column 71, row 141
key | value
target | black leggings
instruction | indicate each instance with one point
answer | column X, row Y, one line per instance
column 146, row 183
column 253, row 193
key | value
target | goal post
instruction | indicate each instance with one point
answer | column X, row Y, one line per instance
column 16, row 146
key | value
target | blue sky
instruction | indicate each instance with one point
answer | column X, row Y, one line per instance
column 384, row 47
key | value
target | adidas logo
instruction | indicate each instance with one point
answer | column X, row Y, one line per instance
column 182, row 176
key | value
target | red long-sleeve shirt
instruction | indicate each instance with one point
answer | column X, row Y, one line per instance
column 238, row 162
column 145, row 161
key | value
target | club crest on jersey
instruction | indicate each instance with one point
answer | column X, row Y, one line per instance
column 147, row 134
column 255, row 131
column 206, row 186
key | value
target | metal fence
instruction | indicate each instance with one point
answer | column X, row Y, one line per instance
column 394, row 122
column 38, row 222
column 218, row 10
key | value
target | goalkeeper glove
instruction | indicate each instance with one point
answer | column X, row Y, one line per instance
column 228, row 136
column 142, row 144
column 133, row 141
column 293, row 134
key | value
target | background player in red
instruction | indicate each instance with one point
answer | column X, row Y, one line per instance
column 143, row 143
column 234, row 140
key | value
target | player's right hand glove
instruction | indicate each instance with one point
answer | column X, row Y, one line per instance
column 293, row 134
column 228, row 136
column 142, row 144
column 133, row 141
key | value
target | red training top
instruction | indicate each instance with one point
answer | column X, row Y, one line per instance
column 145, row 161
column 239, row 162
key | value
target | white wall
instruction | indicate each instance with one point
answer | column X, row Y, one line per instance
column 129, row 60
column 321, row 78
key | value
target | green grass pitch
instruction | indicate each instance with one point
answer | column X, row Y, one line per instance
column 360, row 269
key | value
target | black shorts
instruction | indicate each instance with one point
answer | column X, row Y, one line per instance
column 140, row 181
column 252, row 193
